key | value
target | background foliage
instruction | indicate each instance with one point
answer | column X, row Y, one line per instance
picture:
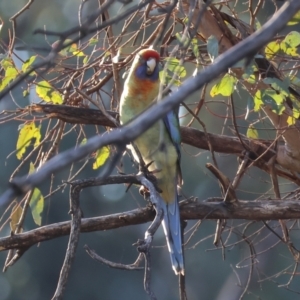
column 212, row 272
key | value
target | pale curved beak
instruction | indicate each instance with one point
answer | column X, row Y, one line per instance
column 151, row 64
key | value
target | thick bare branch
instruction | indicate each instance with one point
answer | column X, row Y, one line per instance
column 249, row 210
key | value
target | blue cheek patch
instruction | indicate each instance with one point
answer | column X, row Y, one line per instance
column 141, row 73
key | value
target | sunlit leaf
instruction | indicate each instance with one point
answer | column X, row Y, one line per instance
column 195, row 47
column 258, row 102
column 292, row 39
column 10, row 74
column 85, row 60
column 295, row 20
column 27, row 64
column 6, row 63
column 47, row 93
column 101, row 156
column 278, row 97
column 78, row 53
column 93, row 42
column 291, row 120
column 25, row 93
column 290, row 43
column 83, row 142
column 249, row 75
column 27, row 132
column 184, row 40
column 272, row 48
column 15, row 216
column 64, row 52
column 173, row 65
column 252, row 132
column 212, row 47
column 257, row 25
column 36, row 202
column 275, row 100
column 225, row 87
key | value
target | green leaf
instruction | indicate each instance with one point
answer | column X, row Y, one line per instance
column 225, row 87
column 101, row 156
column 258, row 102
column 291, row 120
column 252, row 132
column 27, row 64
column 64, row 52
column 93, row 42
column 78, row 53
column 272, row 49
column 275, row 100
column 195, row 47
column 278, row 85
column 25, row 93
column 85, row 60
column 277, row 97
column 257, row 25
column 10, row 74
column 249, row 75
column 173, row 65
column 47, row 93
column 295, row 20
column 6, row 63
column 28, row 131
column 83, row 142
column 292, row 39
column 212, row 47
column 36, row 202
column 290, row 43
column 184, row 40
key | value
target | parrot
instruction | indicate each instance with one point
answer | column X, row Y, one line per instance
column 159, row 146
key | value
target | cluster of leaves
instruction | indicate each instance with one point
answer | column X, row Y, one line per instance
column 277, row 91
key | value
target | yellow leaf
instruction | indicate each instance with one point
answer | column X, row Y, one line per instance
column 28, row 132
column 83, row 142
column 10, row 74
column 28, row 63
column 257, row 101
column 78, row 53
column 101, row 156
column 291, row 120
column 225, row 87
column 252, row 132
column 295, row 20
column 272, row 48
column 36, row 201
column 47, row 93
column 37, row 206
column 6, row 63
column 15, row 216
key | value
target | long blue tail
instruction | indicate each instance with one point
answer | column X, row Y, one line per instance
column 172, row 229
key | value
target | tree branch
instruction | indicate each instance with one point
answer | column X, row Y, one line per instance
column 126, row 134
column 249, row 210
